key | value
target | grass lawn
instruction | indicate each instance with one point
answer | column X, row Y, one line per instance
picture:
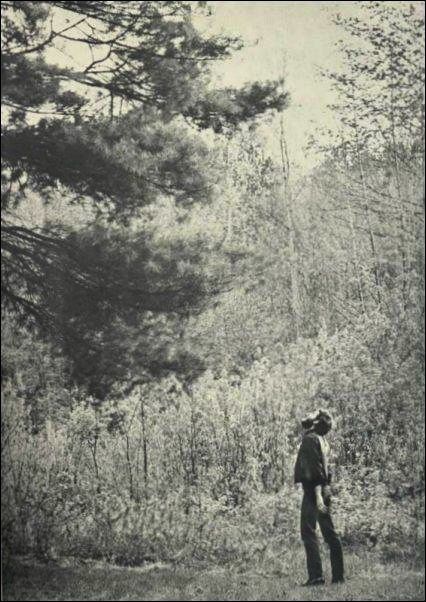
column 368, row 579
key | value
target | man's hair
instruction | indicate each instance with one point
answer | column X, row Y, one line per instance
column 319, row 417
column 324, row 417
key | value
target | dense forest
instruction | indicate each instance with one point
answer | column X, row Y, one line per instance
column 175, row 298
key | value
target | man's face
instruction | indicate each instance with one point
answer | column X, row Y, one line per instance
column 322, row 428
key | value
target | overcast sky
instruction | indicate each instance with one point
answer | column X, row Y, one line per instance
column 290, row 39
column 295, row 39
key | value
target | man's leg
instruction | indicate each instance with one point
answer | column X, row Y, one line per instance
column 308, row 525
column 336, row 554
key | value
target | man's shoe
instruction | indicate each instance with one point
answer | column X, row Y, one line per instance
column 312, row 582
column 340, row 580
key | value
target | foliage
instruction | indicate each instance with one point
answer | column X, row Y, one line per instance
column 188, row 338
column 152, row 65
column 167, row 475
column 144, row 52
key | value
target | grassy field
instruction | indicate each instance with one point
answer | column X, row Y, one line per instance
column 368, row 579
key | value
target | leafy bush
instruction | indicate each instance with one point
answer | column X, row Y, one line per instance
column 169, row 475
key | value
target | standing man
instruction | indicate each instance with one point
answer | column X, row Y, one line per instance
column 312, row 471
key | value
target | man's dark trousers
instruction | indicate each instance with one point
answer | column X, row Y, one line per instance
column 309, row 518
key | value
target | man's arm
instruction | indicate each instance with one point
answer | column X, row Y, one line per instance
column 320, row 500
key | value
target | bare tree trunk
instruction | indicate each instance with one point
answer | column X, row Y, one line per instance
column 401, row 234
column 129, row 466
column 111, row 106
column 354, row 244
column 288, row 200
column 373, row 248
column 230, row 216
column 94, row 450
column 144, row 445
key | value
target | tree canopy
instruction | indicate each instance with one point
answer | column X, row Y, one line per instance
column 116, row 128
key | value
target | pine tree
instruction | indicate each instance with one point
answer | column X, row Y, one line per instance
column 119, row 134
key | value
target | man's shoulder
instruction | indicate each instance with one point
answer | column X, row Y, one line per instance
column 311, row 439
column 311, row 435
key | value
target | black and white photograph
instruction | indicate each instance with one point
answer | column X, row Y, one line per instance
column 212, row 300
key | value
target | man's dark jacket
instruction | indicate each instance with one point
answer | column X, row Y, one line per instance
column 310, row 467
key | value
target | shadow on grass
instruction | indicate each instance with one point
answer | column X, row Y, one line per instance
column 23, row 579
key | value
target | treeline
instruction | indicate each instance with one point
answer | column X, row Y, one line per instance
column 186, row 298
